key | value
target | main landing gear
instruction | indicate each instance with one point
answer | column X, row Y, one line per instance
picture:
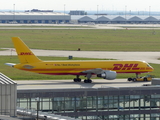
column 88, row 80
column 77, row 79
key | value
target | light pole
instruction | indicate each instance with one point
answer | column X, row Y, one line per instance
column 37, row 100
column 64, row 13
column 13, row 13
column 97, row 14
column 149, row 10
column 125, row 13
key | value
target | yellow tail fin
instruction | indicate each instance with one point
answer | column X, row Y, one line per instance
column 25, row 55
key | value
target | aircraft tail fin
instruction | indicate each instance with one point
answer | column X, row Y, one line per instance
column 25, row 55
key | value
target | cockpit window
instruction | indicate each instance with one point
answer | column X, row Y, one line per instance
column 148, row 65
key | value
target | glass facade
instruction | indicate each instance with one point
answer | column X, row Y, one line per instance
column 140, row 103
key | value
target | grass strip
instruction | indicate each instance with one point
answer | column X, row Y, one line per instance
column 85, row 39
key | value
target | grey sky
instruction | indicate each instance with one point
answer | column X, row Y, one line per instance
column 129, row 5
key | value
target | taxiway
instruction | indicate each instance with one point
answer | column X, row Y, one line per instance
column 69, row 84
column 150, row 57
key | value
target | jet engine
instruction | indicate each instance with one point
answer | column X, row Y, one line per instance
column 109, row 75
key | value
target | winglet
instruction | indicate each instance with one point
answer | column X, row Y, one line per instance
column 25, row 55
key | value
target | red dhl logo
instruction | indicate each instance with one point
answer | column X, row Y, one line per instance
column 25, row 53
column 126, row 67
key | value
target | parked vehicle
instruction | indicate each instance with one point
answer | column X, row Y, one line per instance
column 144, row 78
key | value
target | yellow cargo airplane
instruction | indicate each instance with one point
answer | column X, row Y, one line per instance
column 101, row 68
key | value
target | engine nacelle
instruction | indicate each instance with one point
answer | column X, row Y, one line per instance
column 109, row 75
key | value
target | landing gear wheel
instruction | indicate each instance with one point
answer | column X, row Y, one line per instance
column 134, row 79
column 77, row 80
column 130, row 79
column 145, row 79
column 88, row 81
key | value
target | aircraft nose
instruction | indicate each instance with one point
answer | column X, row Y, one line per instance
column 151, row 68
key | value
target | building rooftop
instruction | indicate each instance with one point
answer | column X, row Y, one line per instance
column 6, row 80
column 32, row 13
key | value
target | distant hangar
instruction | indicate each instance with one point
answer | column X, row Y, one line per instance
column 117, row 19
column 58, row 18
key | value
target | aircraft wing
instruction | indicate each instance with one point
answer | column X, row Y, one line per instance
column 106, row 74
column 94, row 71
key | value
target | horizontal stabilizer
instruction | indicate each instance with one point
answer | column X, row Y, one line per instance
column 10, row 64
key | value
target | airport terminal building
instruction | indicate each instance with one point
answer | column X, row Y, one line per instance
column 110, row 103
column 34, row 18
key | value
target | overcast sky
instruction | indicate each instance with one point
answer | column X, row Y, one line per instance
column 129, row 5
